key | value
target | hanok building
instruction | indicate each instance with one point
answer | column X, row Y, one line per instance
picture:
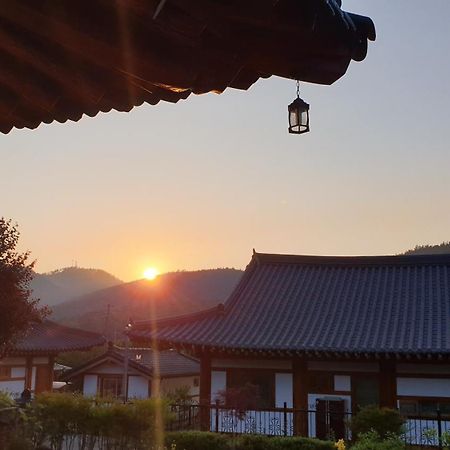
column 325, row 335
column 30, row 363
column 148, row 373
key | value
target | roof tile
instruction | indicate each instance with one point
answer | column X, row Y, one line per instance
column 398, row 304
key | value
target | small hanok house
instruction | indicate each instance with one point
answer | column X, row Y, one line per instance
column 323, row 336
column 148, row 373
column 31, row 361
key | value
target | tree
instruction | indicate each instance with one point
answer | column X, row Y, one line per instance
column 18, row 310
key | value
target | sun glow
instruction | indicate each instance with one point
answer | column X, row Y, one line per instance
column 150, row 273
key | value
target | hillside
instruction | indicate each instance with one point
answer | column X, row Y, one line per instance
column 65, row 284
column 170, row 294
column 444, row 247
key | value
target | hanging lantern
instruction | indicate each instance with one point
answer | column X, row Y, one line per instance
column 298, row 114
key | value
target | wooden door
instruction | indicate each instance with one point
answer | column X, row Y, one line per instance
column 43, row 379
column 337, row 418
column 330, row 419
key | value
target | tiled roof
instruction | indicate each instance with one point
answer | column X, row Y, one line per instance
column 171, row 363
column 50, row 338
column 379, row 304
column 84, row 57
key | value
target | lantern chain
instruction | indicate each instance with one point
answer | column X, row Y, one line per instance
column 298, row 88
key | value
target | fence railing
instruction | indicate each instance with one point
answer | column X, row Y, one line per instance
column 423, row 431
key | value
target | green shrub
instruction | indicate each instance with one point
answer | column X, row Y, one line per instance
column 383, row 421
column 373, row 441
column 301, row 443
column 6, row 400
column 258, row 442
column 68, row 418
column 253, row 442
column 197, row 440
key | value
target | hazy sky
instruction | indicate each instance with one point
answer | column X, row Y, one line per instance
column 200, row 183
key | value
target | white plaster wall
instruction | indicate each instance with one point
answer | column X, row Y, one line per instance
column 137, row 387
column 342, row 383
column 283, row 390
column 90, row 385
column 218, row 383
column 15, row 388
column 18, row 372
column 424, row 387
column 413, row 436
column 271, row 423
column 173, row 383
column 252, row 364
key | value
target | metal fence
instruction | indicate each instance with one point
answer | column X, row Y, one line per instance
column 423, row 431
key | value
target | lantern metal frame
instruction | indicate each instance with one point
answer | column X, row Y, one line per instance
column 298, row 106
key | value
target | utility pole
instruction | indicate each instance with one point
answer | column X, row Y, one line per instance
column 125, row 366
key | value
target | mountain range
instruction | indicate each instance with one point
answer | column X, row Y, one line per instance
column 65, row 284
column 108, row 310
column 95, row 300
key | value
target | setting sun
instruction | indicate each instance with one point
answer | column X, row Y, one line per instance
column 150, row 273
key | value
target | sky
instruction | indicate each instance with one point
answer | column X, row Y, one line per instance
column 201, row 183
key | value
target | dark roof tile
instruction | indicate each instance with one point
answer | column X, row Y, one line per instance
column 376, row 304
column 50, row 337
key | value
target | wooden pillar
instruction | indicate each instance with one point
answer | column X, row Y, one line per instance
column 300, row 388
column 388, row 384
column 51, row 374
column 205, row 391
column 28, row 372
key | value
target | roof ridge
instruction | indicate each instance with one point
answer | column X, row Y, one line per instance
column 355, row 260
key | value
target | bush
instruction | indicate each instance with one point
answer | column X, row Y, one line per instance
column 68, row 418
column 301, row 443
column 383, row 421
column 373, row 441
column 258, row 442
column 6, row 400
column 197, row 440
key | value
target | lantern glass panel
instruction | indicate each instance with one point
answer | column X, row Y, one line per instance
column 294, row 118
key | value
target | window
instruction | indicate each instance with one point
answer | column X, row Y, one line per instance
column 263, row 381
column 5, row 373
column 425, row 407
column 366, row 391
column 111, row 386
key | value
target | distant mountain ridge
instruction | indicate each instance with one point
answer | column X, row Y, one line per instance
column 441, row 248
column 64, row 284
column 168, row 295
